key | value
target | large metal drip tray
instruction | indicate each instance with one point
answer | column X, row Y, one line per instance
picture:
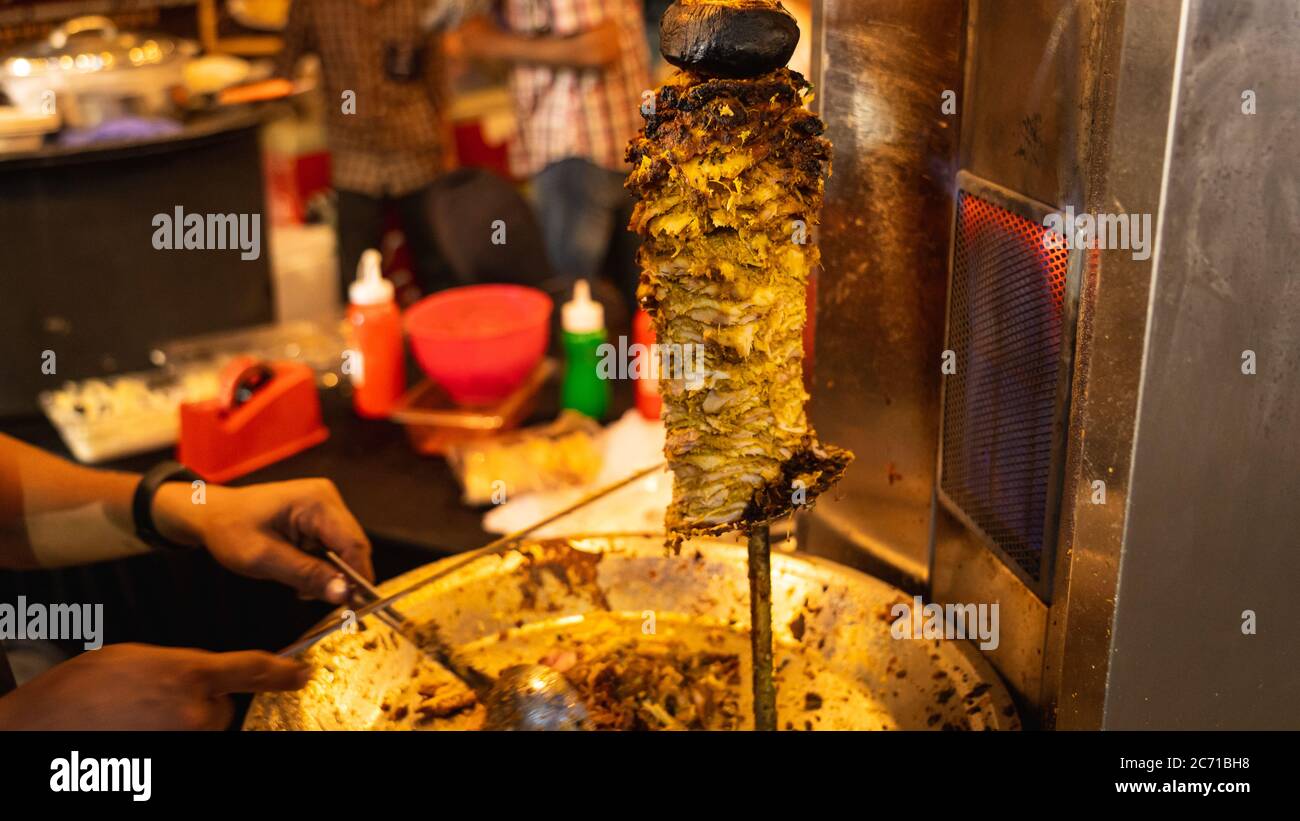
column 838, row 666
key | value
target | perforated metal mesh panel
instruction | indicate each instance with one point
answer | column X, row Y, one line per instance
column 1007, row 327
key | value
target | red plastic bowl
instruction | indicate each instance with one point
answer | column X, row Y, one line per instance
column 480, row 342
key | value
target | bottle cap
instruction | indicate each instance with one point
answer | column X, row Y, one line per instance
column 370, row 287
column 582, row 314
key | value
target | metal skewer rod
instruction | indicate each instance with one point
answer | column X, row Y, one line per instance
column 494, row 546
column 760, row 626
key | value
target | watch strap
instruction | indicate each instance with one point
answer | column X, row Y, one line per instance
column 142, row 502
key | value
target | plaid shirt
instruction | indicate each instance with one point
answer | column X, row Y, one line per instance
column 393, row 143
column 572, row 112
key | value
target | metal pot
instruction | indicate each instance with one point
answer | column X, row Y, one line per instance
column 831, row 622
column 89, row 72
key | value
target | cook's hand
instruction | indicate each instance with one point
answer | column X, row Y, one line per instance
column 139, row 687
column 262, row 531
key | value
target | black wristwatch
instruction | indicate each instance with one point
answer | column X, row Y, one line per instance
column 142, row 502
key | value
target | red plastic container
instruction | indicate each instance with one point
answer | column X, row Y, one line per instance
column 480, row 342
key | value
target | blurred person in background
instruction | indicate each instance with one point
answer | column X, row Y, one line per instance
column 387, row 129
column 578, row 72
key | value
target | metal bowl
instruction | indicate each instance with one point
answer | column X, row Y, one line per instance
column 90, row 72
column 832, row 624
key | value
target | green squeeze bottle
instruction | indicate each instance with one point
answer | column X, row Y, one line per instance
column 583, row 322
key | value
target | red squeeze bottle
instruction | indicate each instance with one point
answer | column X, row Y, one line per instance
column 378, row 360
column 648, row 401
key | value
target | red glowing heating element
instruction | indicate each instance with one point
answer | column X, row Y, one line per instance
column 987, row 229
column 1007, row 331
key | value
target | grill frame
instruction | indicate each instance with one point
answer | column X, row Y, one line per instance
column 1034, row 211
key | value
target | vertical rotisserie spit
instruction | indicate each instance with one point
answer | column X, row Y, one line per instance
column 729, row 172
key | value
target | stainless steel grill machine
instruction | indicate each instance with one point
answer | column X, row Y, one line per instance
column 1114, row 453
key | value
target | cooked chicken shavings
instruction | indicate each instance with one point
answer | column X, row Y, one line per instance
column 444, row 701
column 729, row 175
column 637, row 686
column 625, row 684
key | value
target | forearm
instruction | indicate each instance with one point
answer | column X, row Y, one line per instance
column 54, row 513
column 593, row 49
